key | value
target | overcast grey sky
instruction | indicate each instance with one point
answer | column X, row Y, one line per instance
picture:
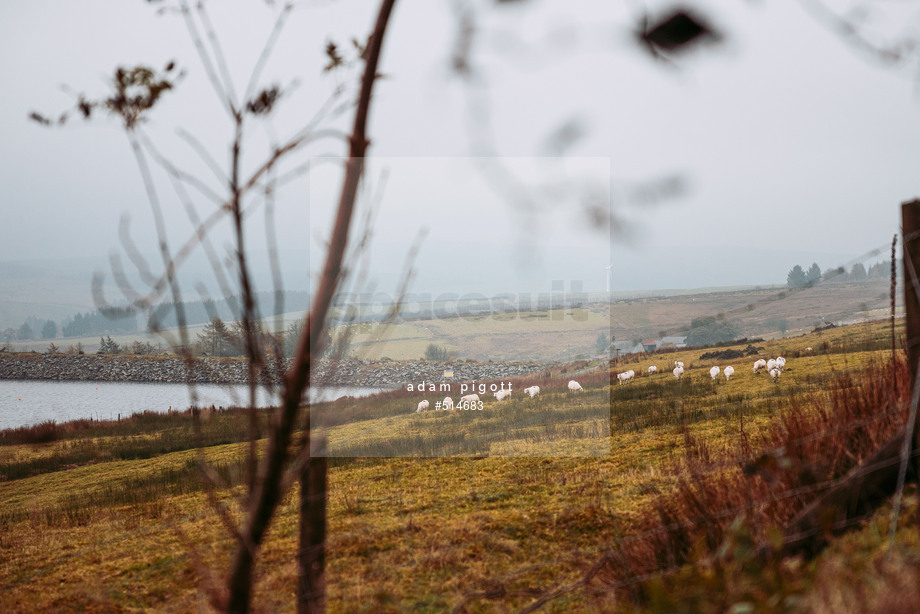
column 792, row 144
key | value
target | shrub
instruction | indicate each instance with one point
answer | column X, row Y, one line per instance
column 436, row 352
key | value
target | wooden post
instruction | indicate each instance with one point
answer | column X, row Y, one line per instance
column 311, row 567
column 894, row 285
column 910, row 227
column 882, row 474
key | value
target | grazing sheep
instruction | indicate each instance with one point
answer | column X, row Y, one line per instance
column 771, row 364
column 808, row 349
column 780, row 363
column 728, row 371
column 714, row 373
column 448, row 403
column 471, row 398
column 678, row 371
column 760, row 364
column 532, row 391
column 679, row 363
column 624, row 377
column 652, row 369
column 501, row 395
column 575, row 386
column 422, row 406
column 774, row 373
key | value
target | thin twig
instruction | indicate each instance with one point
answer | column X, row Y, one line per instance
column 219, row 57
column 199, row 148
column 267, row 49
column 205, row 242
column 206, row 61
column 140, row 263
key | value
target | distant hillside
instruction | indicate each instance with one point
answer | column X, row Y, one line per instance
column 48, row 290
column 228, row 309
column 58, row 289
column 567, row 334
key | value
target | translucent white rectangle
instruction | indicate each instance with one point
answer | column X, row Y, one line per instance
column 479, row 277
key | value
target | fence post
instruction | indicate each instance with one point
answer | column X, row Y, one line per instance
column 311, row 593
column 910, row 228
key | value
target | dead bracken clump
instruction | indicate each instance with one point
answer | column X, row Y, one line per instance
column 814, row 443
column 43, row 432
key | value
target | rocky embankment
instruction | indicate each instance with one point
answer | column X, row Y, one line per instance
column 128, row 368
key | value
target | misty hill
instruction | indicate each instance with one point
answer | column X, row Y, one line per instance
column 58, row 289
column 46, row 289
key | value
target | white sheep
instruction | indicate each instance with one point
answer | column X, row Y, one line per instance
column 808, row 349
column 470, row 398
column 774, row 373
column 771, row 364
column 728, row 371
column 780, row 363
column 652, row 369
column 532, row 391
column 679, row 363
column 448, row 403
column 714, row 373
column 575, row 386
column 624, row 377
column 678, row 371
column 759, row 364
column 422, row 406
column 501, row 395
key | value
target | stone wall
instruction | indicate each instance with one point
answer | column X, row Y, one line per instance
column 127, row 368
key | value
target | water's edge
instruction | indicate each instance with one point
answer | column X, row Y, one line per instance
column 29, row 402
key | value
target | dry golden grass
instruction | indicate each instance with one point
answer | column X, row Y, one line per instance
column 421, row 534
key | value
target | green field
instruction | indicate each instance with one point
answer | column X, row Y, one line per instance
column 113, row 516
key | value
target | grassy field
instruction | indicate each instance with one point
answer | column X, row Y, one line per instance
column 114, row 517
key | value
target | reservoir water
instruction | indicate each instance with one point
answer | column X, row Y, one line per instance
column 28, row 402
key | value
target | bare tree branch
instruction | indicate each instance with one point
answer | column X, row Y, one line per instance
column 268, row 492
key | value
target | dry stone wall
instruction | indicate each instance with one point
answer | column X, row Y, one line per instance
column 127, row 368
